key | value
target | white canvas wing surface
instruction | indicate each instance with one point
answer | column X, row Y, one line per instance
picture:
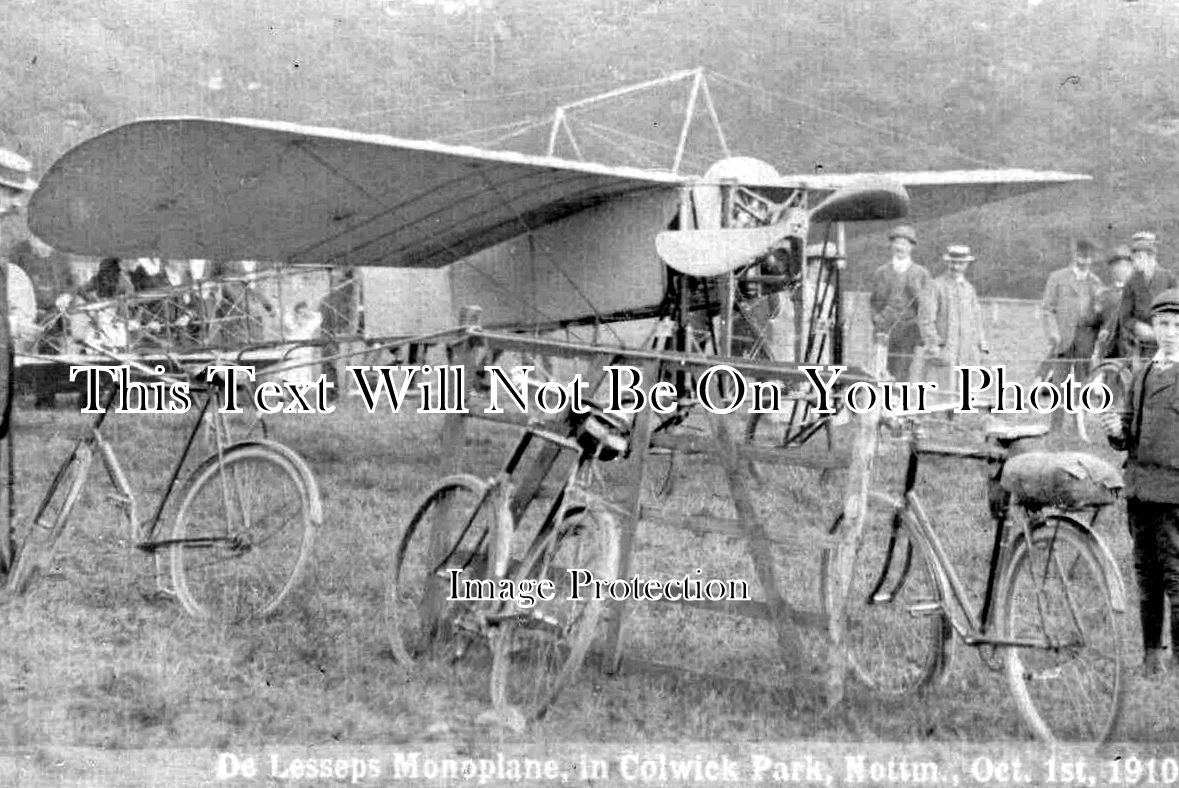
column 933, row 194
column 245, row 189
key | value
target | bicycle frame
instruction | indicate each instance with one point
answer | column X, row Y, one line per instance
column 94, row 442
column 971, row 627
column 498, row 536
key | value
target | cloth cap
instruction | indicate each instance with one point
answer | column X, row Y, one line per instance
column 14, row 171
column 904, row 231
column 958, row 253
column 1144, row 235
column 1166, row 301
column 1085, row 247
column 1144, row 244
column 1121, row 252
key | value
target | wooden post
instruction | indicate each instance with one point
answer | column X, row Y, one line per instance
column 453, row 444
column 759, row 546
column 454, row 425
column 728, row 283
column 855, row 506
column 640, row 445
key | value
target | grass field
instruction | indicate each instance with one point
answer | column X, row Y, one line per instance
column 95, row 660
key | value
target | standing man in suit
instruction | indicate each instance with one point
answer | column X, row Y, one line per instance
column 958, row 321
column 1070, row 298
column 16, row 184
column 902, row 305
column 1148, row 280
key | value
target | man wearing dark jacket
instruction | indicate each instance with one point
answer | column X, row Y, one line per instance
column 1147, row 281
column 902, row 304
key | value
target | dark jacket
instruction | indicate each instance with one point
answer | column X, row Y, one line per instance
column 1107, row 317
column 1150, row 435
column 1136, row 298
column 903, row 304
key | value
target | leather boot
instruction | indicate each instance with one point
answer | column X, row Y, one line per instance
column 1154, row 662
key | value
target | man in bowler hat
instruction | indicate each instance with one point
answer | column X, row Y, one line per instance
column 902, row 305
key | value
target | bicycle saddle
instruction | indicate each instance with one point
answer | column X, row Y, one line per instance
column 603, row 434
column 1009, row 433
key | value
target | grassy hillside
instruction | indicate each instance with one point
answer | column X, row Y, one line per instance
column 1079, row 85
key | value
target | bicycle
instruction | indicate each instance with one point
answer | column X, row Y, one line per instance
column 242, row 532
column 1050, row 617
column 537, row 644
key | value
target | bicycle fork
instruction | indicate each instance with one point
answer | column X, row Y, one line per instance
column 124, row 499
column 479, row 619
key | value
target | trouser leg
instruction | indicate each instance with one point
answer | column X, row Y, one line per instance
column 1059, row 372
column 1167, row 537
column 902, row 344
column 1148, row 569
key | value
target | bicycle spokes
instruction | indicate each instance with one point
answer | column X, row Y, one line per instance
column 1066, row 673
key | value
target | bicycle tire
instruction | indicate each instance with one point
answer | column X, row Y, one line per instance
column 1070, row 579
column 213, row 578
column 49, row 519
column 419, row 620
column 539, row 650
column 1116, row 376
column 893, row 646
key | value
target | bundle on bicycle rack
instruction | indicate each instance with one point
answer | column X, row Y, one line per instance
column 1064, row 480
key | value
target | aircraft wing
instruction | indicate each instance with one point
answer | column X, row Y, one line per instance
column 933, row 194
column 233, row 189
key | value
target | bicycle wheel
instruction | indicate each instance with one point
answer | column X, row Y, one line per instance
column 243, row 532
column 49, row 520
column 1116, row 377
column 1056, row 593
column 539, row 648
column 897, row 631
column 448, row 531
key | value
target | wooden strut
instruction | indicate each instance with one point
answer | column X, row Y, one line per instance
column 788, row 621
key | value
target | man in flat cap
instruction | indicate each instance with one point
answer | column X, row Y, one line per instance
column 1067, row 309
column 1108, row 311
column 902, row 305
column 15, row 185
column 1147, row 429
column 958, row 320
column 1148, row 280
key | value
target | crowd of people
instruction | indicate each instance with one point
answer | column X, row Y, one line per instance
column 925, row 325
column 1135, row 316
column 61, row 304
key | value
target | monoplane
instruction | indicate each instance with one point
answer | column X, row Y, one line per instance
column 539, row 242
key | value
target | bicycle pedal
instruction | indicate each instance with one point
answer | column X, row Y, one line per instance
column 925, row 609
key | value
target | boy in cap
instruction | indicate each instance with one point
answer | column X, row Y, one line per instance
column 1147, row 429
column 902, row 304
column 1147, row 281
